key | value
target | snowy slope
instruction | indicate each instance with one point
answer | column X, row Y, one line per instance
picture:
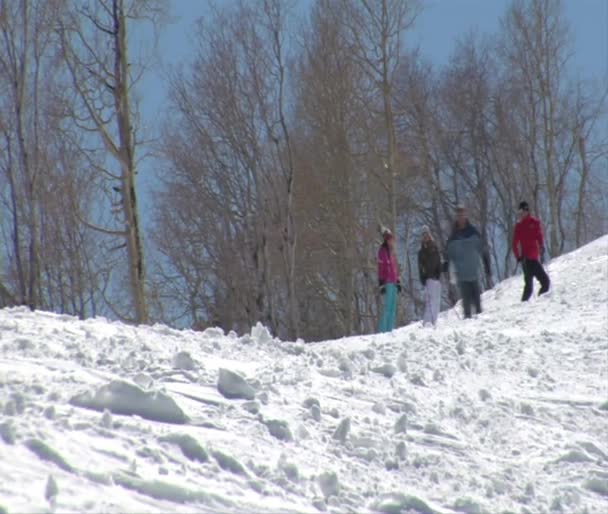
column 504, row 413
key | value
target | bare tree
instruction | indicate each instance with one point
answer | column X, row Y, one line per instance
column 375, row 30
column 20, row 57
column 94, row 41
column 49, row 262
column 275, row 24
column 536, row 51
column 588, row 111
column 234, row 103
column 331, row 121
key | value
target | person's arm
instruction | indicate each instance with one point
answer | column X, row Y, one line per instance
column 484, row 254
column 541, row 241
column 485, row 259
column 515, row 244
column 381, row 267
column 393, row 262
column 437, row 268
column 421, row 268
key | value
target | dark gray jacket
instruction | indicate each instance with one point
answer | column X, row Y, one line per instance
column 465, row 252
column 429, row 261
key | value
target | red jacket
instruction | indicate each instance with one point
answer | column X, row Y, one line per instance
column 528, row 238
column 387, row 267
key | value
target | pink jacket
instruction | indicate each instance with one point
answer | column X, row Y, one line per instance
column 387, row 267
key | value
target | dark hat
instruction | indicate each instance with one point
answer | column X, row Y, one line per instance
column 523, row 206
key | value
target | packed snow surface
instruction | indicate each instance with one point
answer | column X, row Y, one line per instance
column 507, row 412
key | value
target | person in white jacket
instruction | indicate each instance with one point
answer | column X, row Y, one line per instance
column 429, row 268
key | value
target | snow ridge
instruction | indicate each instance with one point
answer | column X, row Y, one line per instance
column 507, row 412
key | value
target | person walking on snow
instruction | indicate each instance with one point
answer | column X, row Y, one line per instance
column 388, row 279
column 529, row 249
column 429, row 268
column 465, row 252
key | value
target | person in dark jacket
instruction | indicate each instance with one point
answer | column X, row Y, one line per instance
column 388, row 280
column 529, row 249
column 429, row 268
column 465, row 252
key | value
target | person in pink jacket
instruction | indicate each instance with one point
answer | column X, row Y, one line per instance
column 388, row 280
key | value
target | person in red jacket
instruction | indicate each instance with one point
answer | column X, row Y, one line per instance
column 529, row 249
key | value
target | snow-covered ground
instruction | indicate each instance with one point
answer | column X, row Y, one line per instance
column 507, row 412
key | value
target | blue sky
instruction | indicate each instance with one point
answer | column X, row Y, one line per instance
column 437, row 29
column 440, row 25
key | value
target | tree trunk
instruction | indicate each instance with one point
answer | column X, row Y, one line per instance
column 127, row 161
column 581, row 190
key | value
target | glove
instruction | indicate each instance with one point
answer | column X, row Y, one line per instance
column 486, row 264
column 519, row 259
column 423, row 280
column 398, row 286
column 452, row 275
column 444, row 267
column 542, row 254
column 382, row 289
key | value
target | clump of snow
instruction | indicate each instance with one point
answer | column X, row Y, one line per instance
column 328, row 483
column 401, row 450
column 252, row 407
column 188, row 445
column 397, row 503
column 597, row 485
column 228, row 463
column 309, row 402
column 45, row 452
column 106, row 419
column 302, row 432
column 51, row 490
column 468, row 506
column 233, row 386
column 279, row 429
column 288, row 468
column 575, row 456
column 401, row 424
column 7, row 432
column 261, row 334
column 173, row 493
column 342, row 430
column 386, row 369
column 143, row 380
column 49, row 412
column 183, row 360
column 120, row 397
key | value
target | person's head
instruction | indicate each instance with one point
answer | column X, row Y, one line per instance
column 388, row 238
column 426, row 234
column 523, row 210
column 461, row 215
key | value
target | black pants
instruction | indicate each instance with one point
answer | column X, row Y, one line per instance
column 533, row 269
column 471, row 294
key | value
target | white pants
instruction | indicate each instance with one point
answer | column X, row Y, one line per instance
column 432, row 301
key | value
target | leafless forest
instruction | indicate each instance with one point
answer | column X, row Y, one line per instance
column 291, row 132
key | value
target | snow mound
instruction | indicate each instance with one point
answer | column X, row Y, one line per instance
column 234, row 386
column 123, row 398
column 506, row 412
